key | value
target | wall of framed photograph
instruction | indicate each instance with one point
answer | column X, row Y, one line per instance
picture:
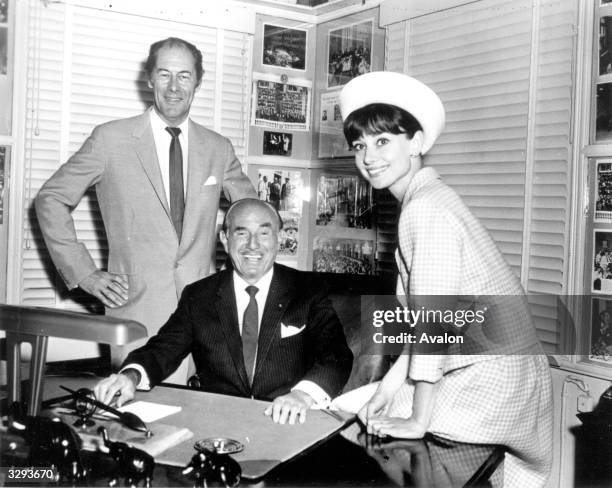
column 596, row 333
column 282, row 90
column 346, row 48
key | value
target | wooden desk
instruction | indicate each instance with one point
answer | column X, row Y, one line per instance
column 335, row 461
column 209, row 415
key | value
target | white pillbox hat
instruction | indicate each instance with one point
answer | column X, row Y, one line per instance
column 400, row 90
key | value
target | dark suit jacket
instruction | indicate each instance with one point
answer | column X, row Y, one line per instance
column 206, row 324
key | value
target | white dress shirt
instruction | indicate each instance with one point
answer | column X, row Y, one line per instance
column 162, row 146
column 318, row 394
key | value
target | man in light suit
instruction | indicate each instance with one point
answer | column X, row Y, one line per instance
column 158, row 178
column 297, row 354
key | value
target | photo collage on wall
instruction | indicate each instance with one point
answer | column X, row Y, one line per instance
column 284, row 190
column 600, row 342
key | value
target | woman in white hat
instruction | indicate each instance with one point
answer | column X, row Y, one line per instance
column 501, row 395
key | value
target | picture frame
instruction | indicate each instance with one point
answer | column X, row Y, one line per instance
column 332, row 142
column 343, row 201
column 285, row 189
column 601, row 276
column 603, row 191
column 277, row 143
column 343, row 255
column 349, row 52
column 600, row 337
column 281, row 105
column 284, row 47
column 4, row 162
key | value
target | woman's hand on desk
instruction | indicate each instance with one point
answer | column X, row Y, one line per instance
column 115, row 390
column 290, row 407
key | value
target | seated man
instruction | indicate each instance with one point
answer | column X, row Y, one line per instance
column 261, row 330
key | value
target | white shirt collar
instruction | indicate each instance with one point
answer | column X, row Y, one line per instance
column 263, row 285
column 158, row 123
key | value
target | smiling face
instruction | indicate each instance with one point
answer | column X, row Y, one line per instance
column 251, row 239
column 174, row 83
column 385, row 160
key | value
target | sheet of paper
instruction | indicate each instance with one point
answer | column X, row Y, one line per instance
column 149, row 411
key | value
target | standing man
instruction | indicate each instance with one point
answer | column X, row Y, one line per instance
column 158, row 178
column 259, row 330
column 275, row 191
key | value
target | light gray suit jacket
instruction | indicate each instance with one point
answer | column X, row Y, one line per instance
column 120, row 160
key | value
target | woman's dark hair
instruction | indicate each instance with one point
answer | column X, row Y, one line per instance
column 377, row 118
column 174, row 42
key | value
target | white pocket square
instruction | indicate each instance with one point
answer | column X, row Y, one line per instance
column 290, row 330
column 210, row 181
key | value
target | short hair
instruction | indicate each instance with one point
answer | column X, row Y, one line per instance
column 254, row 202
column 174, row 42
column 377, row 118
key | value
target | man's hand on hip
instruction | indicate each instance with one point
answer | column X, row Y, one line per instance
column 287, row 408
column 111, row 289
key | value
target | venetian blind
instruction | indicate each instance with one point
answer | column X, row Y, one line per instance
column 85, row 67
column 503, row 70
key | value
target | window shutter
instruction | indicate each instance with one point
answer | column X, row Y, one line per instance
column 506, row 88
column 79, row 77
column 550, row 173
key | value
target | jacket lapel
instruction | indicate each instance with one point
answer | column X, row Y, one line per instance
column 228, row 316
column 147, row 154
column 196, row 167
column 280, row 294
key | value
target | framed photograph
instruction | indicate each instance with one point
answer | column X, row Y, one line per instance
column 4, row 11
column 284, row 106
column 601, row 331
column 344, row 201
column 284, row 47
column 605, row 46
column 277, row 143
column 603, row 120
column 602, row 261
column 349, row 256
column 285, row 191
column 603, row 191
column 332, row 142
column 3, row 50
column 3, row 172
column 349, row 53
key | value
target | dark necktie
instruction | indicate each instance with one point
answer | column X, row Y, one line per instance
column 249, row 333
column 177, row 195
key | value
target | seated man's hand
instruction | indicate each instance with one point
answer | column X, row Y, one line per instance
column 110, row 288
column 117, row 389
column 287, row 408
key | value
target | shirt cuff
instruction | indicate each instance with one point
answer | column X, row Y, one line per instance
column 321, row 399
column 144, row 384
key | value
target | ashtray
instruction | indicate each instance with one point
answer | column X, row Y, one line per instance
column 220, row 445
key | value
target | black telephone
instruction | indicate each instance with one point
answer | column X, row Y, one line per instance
column 601, row 416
